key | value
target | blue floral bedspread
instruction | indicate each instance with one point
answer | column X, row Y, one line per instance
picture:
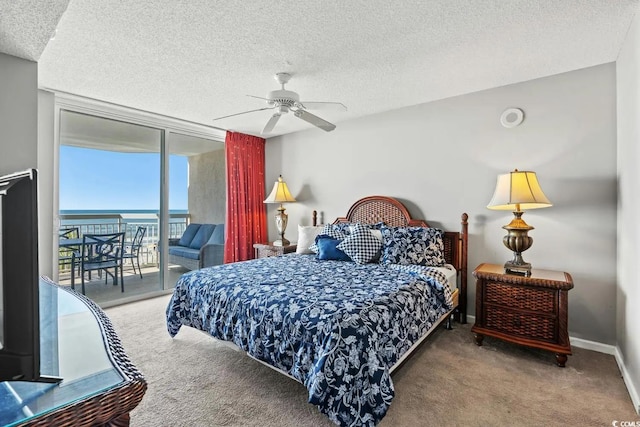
column 335, row 326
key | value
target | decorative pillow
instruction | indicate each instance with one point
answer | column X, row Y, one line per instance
column 328, row 250
column 376, row 226
column 343, row 227
column 307, row 237
column 335, row 231
column 361, row 245
column 413, row 245
column 189, row 234
column 377, row 234
column 202, row 236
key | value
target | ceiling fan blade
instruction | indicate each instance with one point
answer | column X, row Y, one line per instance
column 314, row 120
column 319, row 105
column 271, row 123
column 258, row 97
column 244, row 112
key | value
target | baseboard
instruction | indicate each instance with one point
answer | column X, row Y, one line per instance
column 606, row 349
column 631, row 387
column 592, row 345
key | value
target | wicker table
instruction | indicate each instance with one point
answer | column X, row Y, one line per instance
column 530, row 311
column 100, row 385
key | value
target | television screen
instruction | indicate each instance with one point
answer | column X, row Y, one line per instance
column 19, row 281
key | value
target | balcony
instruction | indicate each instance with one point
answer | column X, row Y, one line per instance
column 107, row 294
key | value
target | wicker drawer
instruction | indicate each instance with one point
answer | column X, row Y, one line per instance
column 520, row 297
column 525, row 325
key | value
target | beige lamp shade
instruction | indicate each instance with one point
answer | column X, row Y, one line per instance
column 280, row 193
column 518, row 190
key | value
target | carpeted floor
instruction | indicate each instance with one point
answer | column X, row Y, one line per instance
column 196, row 381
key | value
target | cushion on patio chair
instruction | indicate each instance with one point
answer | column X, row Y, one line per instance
column 184, row 252
column 217, row 237
column 201, row 237
column 189, row 234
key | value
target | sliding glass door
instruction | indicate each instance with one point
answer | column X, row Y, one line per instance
column 196, row 185
column 109, row 181
column 122, row 171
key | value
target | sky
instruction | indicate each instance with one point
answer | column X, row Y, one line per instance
column 98, row 180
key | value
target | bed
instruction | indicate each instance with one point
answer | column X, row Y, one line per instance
column 338, row 327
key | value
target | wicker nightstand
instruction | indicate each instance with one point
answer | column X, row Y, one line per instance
column 268, row 249
column 531, row 310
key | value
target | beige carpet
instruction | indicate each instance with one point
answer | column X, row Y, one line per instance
column 196, row 381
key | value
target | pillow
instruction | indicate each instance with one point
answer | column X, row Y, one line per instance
column 217, row 237
column 413, row 245
column 327, row 249
column 335, row 231
column 202, row 236
column 343, row 227
column 189, row 234
column 361, row 245
column 376, row 226
column 307, row 237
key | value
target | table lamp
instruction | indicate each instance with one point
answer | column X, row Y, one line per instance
column 517, row 191
column 280, row 194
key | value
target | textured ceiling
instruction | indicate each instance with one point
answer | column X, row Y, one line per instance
column 197, row 60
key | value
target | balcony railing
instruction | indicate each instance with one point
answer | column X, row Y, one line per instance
column 112, row 223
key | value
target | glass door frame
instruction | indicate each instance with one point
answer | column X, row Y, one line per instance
column 165, row 124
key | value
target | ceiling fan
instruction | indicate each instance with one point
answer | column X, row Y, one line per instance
column 283, row 101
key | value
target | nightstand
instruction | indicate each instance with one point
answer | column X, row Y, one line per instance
column 527, row 310
column 268, row 249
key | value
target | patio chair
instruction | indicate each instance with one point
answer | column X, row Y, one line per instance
column 132, row 250
column 65, row 252
column 100, row 252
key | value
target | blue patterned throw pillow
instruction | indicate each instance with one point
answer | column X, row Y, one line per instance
column 413, row 245
column 361, row 245
column 328, row 249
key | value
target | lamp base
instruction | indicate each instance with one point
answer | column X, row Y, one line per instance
column 523, row 269
column 518, row 240
column 281, row 242
column 281, row 224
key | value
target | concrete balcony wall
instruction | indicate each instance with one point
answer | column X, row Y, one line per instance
column 207, row 187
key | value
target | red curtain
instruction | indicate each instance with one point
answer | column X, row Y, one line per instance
column 246, row 221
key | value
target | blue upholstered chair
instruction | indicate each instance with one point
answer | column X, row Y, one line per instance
column 201, row 245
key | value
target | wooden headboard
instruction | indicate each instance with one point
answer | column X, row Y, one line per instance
column 374, row 209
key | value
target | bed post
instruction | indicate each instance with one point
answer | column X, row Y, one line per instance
column 464, row 236
column 314, row 218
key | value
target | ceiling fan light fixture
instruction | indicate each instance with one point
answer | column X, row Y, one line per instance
column 283, row 101
column 286, row 96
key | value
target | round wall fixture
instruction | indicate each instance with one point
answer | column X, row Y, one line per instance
column 512, row 117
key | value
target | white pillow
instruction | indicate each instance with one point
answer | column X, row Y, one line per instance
column 307, row 237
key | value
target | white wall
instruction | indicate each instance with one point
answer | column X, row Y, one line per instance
column 628, row 290
column 47, row 232
column 18, row 114
column 20, row 146
column 442, row 158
